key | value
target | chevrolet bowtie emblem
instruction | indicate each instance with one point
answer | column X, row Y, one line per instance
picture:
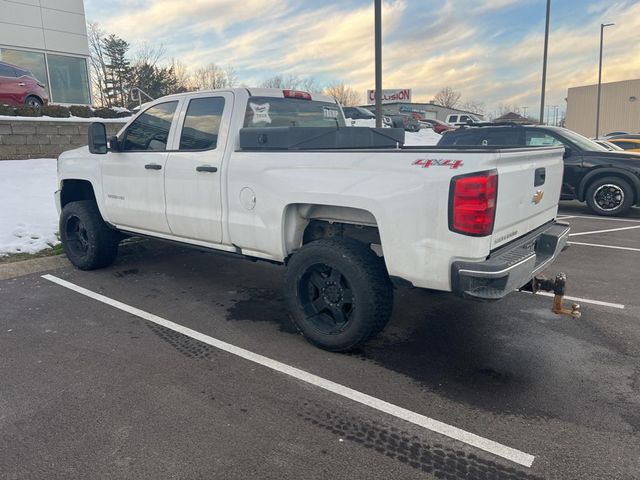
column 537, row 197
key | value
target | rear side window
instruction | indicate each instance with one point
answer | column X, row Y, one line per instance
column 540, row 139
column 508, row 137
column 202, row 123
column 6, row 71
column 453, row 119
column 150, row 131
column 291, row 112
column 470, row 139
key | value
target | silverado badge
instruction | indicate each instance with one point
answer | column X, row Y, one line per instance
column 537, row 197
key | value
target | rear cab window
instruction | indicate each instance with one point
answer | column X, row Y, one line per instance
column 264, row 112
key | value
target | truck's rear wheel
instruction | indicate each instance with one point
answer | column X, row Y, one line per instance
column 87, row 240
column 338, row 293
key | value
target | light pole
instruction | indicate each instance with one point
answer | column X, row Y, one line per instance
column 378, row 60
column 602, row 27
column 544, row 62
column 524, row 112
column 555, row 115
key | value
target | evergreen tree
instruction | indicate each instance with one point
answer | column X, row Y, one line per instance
column 118, row 70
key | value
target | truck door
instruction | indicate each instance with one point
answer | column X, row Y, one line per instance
column 193, row 176
column 133, row 177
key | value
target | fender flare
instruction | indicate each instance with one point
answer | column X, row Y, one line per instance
column 604, row 171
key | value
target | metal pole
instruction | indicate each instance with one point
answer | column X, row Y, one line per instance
column 378, row 60
column 602, row 27
column 544, row 62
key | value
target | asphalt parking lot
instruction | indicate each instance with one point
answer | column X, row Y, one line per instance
column 93, row 388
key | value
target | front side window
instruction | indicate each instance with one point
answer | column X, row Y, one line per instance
column 540, row 139
column 202, row 123
column 150, row 131
column 291, row 112
column 464, row 118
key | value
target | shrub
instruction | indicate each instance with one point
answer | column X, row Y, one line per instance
column 81, row 111
column 105, row 113
column 56, row 111
column 27, row 111
column 7, row 110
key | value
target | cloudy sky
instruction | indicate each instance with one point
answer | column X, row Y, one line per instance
column 489, row 50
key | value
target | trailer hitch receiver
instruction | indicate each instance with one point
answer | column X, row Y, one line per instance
column 558, row 287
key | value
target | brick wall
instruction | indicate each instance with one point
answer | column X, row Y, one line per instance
column 21, row 139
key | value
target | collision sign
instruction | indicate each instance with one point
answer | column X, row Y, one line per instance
column 390, row 95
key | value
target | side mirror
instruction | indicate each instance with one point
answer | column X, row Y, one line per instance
column 567, row 152
column 114, row 145
column 97, row 138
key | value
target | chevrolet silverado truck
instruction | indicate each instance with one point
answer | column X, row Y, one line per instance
column 350, row 212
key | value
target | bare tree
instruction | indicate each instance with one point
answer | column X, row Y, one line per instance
column 149, row 54
column 474, row 106
column 182, row 75
column 211, row 77
column 344, row 94
column 447, row 97
column 98, row 62
column 281, row 81
column 232, row 76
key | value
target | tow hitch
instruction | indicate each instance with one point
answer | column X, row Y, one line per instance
column 558, row 287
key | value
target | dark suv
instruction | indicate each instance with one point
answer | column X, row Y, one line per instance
column 19, row 87
column 608, row 181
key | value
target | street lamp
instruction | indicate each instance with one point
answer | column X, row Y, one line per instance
column 602, row 27
column 378, row 60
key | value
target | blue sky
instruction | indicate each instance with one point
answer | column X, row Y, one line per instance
column 489, row 50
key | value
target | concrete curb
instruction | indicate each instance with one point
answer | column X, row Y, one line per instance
column 35, row 265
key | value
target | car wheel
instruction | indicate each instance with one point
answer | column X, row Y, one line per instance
column 610, row 196
column 87, row 240
column 338, row 293
column 32, row 101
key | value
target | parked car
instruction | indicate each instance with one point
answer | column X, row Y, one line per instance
column 208, row 169
column 438, row 126
column 457, row 120
column 358, row 113
column 612, row 147
column 627, row 143
column 614, row 134
column 400, row 120
column 19, row 87
column 608, row 181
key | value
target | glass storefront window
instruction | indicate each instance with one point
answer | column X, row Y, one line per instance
column 69, row 81
column 31, row 61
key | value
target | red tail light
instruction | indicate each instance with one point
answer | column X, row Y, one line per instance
column 472, row 203
column 296, row 94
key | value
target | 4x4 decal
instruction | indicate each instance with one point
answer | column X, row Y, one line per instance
column 426, row 163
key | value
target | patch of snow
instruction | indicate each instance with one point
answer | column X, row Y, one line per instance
column 28, row 217
column 70, row 119
column 425, row 136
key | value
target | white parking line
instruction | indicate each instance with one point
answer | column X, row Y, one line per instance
column 604, row 231
column 605, row 246
column 583, row 300
column 455, row 433
column 610, row 219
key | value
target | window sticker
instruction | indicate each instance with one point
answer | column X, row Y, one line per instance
column 330, row 113
column 260, row 113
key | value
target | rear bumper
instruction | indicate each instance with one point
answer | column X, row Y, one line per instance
column 510, row 267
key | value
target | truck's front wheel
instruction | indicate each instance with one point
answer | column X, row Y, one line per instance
column 87, row 240
column 338, row 293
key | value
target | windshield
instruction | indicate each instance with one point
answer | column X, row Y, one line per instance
column 583, row 143
column 291, row 112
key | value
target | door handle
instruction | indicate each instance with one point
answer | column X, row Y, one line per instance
column 206, row 168
column 539, row 177
column 21, row 84
column 153, row 166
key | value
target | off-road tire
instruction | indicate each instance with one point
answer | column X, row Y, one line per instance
column 87, row 240
column 363, row 279
column 600, row 187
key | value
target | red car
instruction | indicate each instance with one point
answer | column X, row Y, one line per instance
column 438, row 126
column 19, row 87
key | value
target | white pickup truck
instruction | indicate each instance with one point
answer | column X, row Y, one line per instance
column 350, row 212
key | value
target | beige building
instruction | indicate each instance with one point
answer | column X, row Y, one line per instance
column 49, row 39
column 619, row 108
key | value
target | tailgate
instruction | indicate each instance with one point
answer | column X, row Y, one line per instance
column 529, row 183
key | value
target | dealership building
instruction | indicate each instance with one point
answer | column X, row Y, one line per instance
column 619, row 108
column 396, row 101
column 48, row 38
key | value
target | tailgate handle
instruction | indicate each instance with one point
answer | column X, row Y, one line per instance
column 540, row 177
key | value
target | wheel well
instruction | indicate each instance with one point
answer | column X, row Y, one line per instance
column 34, row 96
column 609, row 173
column 75, row 190
column 305, row 223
